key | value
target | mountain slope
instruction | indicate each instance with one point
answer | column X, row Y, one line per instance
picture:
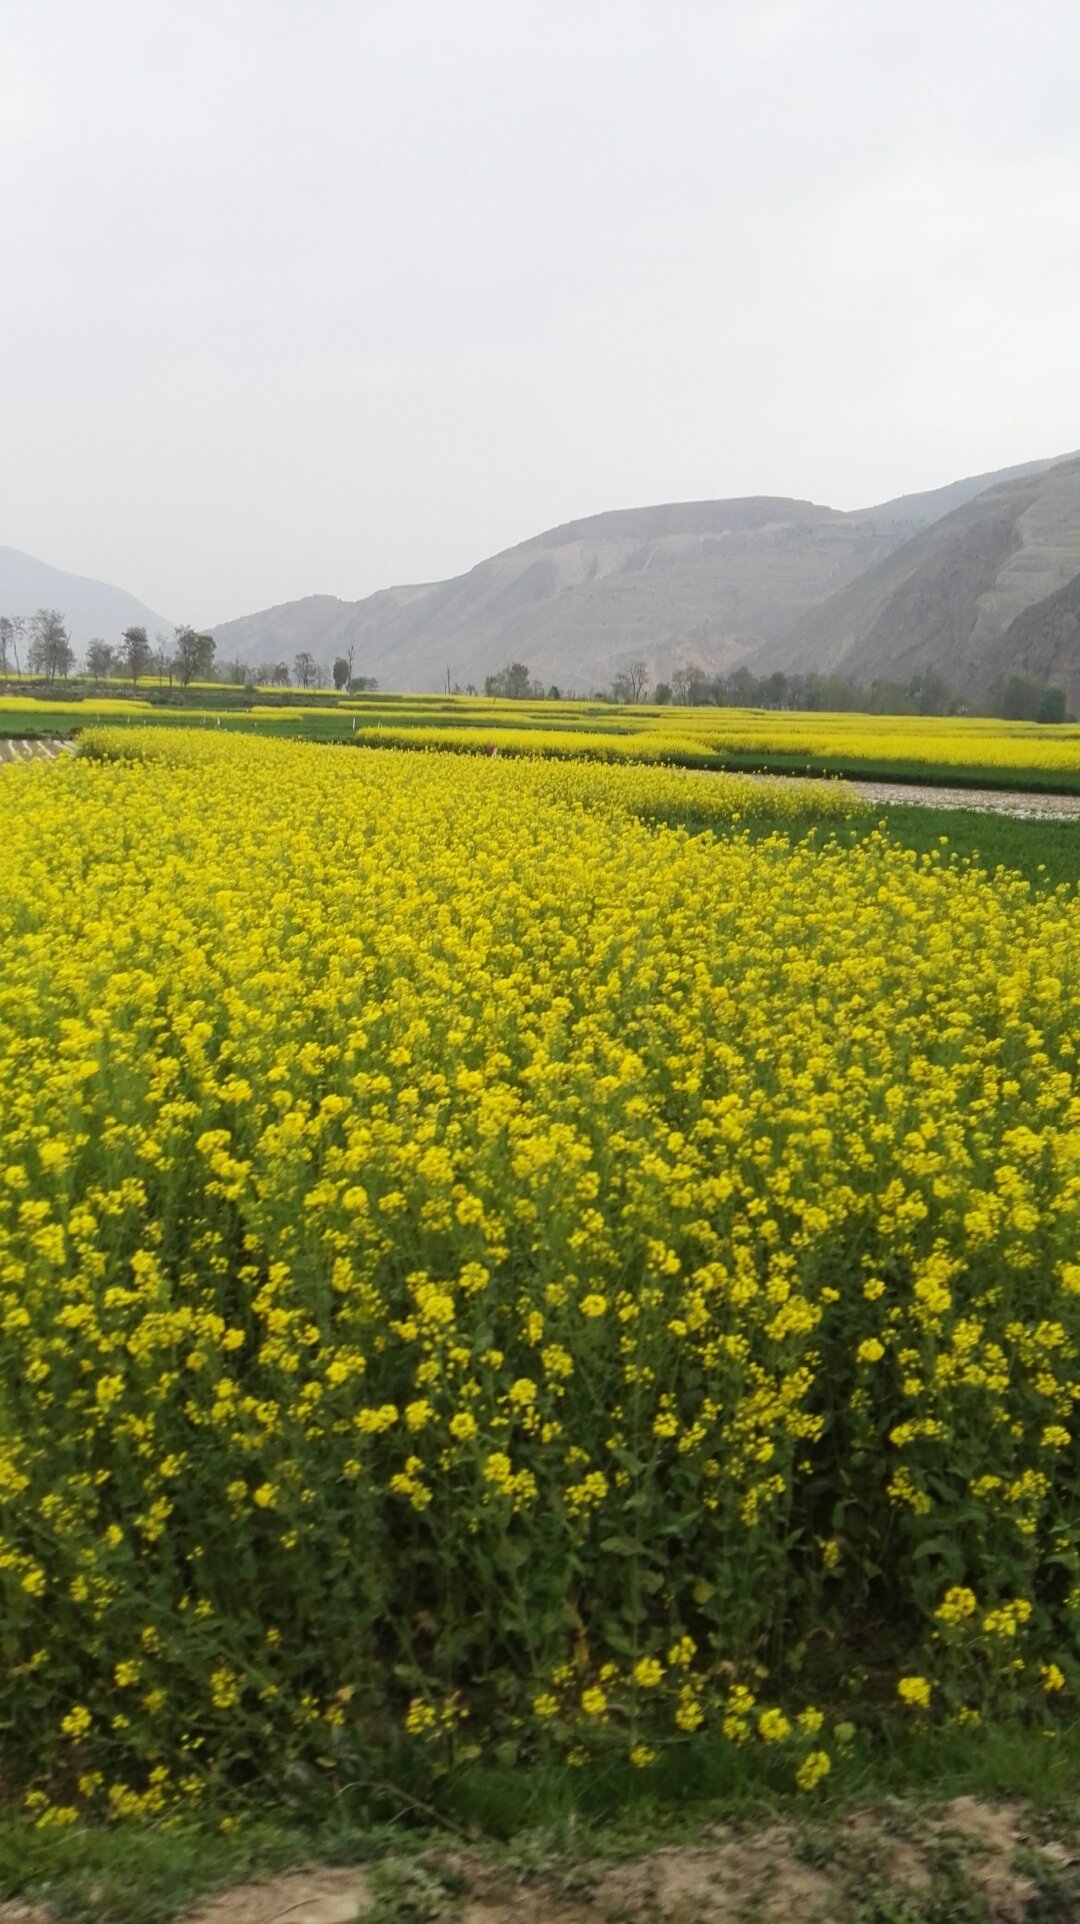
column 697, row 580
column 922, row 509
column 1044, row 641
column 961, row 596
column 89, row 608
column 711, row 582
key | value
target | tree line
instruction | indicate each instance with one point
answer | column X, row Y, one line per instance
column 42, row 640
column 40, row 645
column 1011, row 698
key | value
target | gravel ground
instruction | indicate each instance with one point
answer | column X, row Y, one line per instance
column 990, row 801
column 47, row 749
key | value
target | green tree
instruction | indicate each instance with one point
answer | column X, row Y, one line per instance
column 931, row 693
column 690, row 684
column 136, row 653
column 193, row 655
column 514, row 683
column 51, row 653
column 99, row 659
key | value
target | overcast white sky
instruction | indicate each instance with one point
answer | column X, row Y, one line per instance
column 316, row 295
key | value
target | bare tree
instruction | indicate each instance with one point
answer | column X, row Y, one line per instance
column 632, row 684
column 7, row 637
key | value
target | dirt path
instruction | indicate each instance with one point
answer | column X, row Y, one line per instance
column 966, row 1859
column 35, row 749
column 990, row 801
column 913, row 1863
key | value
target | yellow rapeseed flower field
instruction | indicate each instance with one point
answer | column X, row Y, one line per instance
column 689, row 736
column 969, row 749
column 482, row 1265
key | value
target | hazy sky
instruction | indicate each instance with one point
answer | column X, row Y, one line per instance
column 316, row 295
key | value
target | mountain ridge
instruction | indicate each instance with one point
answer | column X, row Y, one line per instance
column 978, row 579
column 91, row 609
column 961, row 596
column 716, row 583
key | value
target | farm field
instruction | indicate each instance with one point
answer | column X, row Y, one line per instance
column 522, row 1267
column 974, row 752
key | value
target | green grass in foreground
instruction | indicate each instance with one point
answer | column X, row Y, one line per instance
column 1047, row 853
column 543, row 1822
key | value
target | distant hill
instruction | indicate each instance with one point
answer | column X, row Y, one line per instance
column 697, row 581
column 89, row 608
column 989, row 590
column 921, row 509
column 712, row 582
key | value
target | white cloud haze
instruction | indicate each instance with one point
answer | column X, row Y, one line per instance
column 316, row 295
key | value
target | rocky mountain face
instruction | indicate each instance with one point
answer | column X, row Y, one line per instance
column 90, row 608
column 772, row 582
column 699, row 581
column 991, row 589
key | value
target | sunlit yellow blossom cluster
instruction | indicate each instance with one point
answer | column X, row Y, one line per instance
column 476, row 1258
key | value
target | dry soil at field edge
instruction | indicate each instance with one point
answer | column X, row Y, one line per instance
column 780, row 1874
column 992, row 1859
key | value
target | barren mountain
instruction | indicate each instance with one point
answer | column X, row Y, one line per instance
column 701, row 581
column 89, row 608
column 988, row 590
column 712, row 582
column 1044, row 641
